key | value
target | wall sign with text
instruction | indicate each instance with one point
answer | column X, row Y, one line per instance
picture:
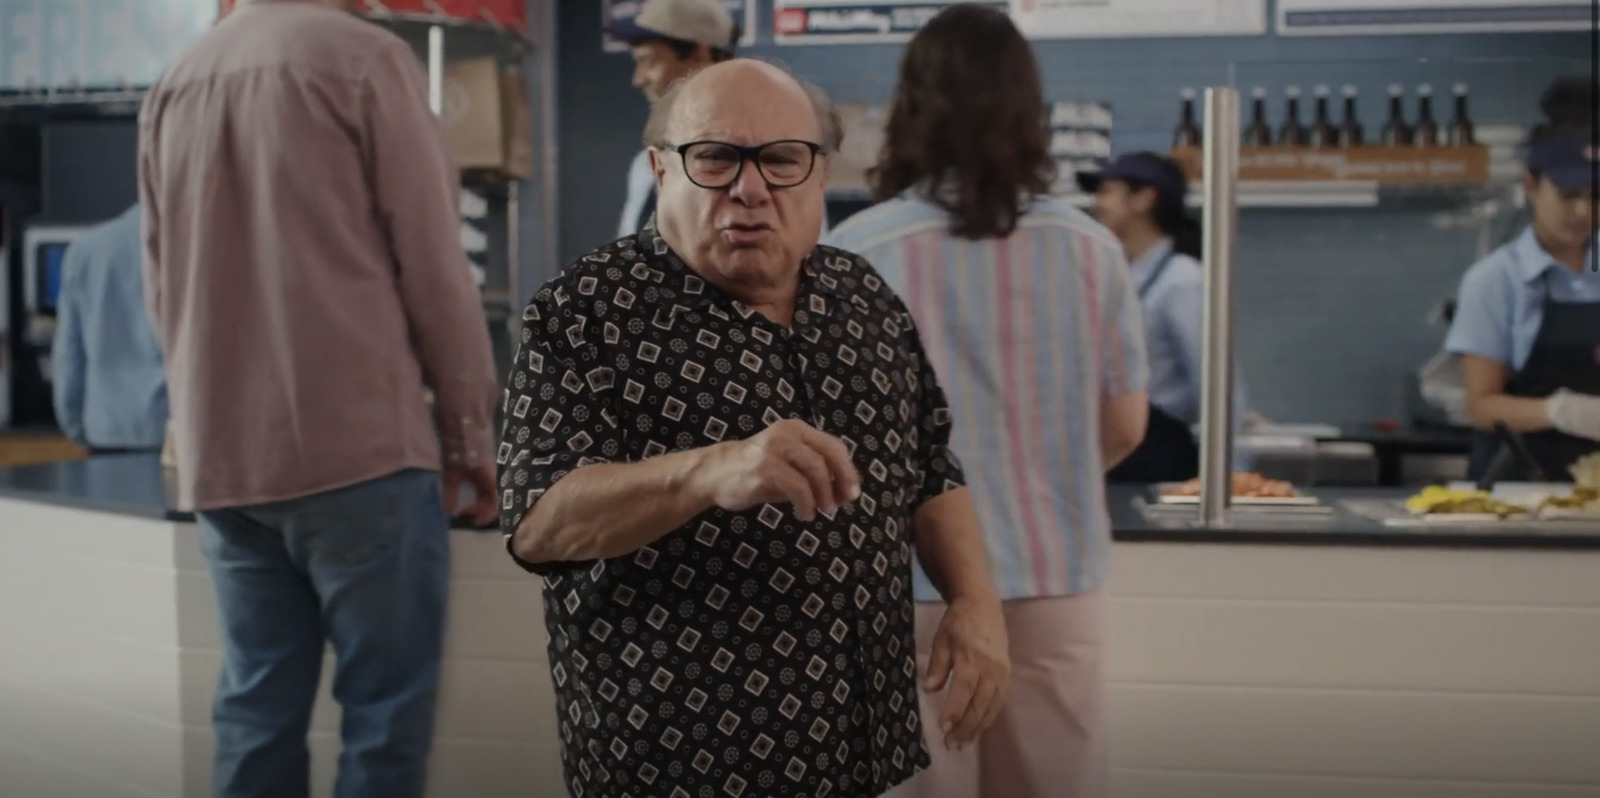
column 853, row 21
column 94, row 44
column 743, row 12
column 1390, row 17
column 1076, row 19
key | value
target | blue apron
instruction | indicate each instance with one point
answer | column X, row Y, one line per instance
column 1563, row 356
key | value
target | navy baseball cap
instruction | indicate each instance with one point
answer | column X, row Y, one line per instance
column 695, row 21
column 1146, row 168
column 1568, row 159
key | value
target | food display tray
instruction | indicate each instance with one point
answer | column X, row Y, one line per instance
column 1297, row 498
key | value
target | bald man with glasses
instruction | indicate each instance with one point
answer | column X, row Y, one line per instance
column 723, row 445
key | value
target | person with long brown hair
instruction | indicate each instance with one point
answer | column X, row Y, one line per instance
column 1025, row 304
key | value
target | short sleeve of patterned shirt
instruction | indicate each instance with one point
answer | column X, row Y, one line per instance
column 743, row 654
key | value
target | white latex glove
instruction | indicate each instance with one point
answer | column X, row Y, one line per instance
column 1574, row 413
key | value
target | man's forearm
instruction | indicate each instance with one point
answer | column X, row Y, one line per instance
column 949, row 541
column 1520, row 413
column 610, row 509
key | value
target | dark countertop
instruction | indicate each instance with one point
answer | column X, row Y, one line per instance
column 126, row 484
column 135, row 484
column 1341, row 527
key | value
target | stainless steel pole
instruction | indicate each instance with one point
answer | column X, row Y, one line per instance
column 1220, row 217
column 436, row 69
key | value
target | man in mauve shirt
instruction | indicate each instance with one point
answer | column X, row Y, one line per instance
column 305, row 277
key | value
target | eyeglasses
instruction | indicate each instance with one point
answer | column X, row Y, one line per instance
column 717, row 164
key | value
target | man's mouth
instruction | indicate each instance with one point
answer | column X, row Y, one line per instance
column 746, row 234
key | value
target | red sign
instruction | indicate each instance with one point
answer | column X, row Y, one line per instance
column 511, row 14
column 790, row 21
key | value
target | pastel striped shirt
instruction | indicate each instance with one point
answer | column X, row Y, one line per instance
column 1028, row 334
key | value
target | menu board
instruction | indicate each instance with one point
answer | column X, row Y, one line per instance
column 94, row 44
column 1390, row 17
column 853, row 21
column 742, row 11
column 1091, row 19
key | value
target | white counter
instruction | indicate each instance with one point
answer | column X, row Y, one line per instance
column 110, row 656
column 1237, row 670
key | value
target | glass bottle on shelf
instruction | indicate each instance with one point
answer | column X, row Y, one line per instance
column 1292, row 133
column 1188, row 133
column 1350, row 132
column 1259, row 133
column 1459, row 134
column 1396, row 133
column 1427, row 130
column 1323, row 133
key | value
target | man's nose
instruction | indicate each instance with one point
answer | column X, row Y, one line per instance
column 750, row 187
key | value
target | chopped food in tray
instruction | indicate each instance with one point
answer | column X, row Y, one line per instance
column 1246, row 484
column 1546, row 503
column 1439, row 500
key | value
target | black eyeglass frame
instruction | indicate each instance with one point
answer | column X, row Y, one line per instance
column 746, row 155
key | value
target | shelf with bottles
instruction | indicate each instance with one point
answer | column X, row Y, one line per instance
column 1403, row 153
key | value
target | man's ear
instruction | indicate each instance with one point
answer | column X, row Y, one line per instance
column 658, row 165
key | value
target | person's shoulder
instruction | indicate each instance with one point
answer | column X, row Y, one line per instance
column 856, row 274
column 1185, row 271
column 617, row 273
column 885, row 222
column 1496, row 271
column 306, row 36
column 1057, row 215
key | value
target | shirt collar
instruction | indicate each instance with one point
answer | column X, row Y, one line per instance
column 817, row 276
column 1532, row 259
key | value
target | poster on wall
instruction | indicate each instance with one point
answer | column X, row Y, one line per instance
column 853, row 21
column 742, row 11
column 1077, row 19
column 94, row 44
column 1405, row 17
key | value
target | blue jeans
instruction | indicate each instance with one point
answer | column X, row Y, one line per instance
column 365, row 567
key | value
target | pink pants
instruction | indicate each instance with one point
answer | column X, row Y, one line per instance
column 1049, row 740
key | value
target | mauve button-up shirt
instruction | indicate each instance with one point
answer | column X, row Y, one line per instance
column 303, row 262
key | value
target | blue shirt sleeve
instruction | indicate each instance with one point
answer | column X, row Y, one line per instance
column 1483, row 318
column 68, row 357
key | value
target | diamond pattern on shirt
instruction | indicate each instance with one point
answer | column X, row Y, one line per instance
column 743, row 654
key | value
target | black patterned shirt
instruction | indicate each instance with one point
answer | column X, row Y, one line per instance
column 749, row 654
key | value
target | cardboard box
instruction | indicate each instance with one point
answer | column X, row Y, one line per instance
column 486, row 116
column 1385, row 165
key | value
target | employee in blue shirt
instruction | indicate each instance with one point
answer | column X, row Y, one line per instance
column 1527, row 320
column 110, row 391
column 1140, row 197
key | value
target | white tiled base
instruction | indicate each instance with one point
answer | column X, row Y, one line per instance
column 110, row 656
column 1236, row 671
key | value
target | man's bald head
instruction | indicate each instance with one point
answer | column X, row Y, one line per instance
column 761, row 82
column 744, row 233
